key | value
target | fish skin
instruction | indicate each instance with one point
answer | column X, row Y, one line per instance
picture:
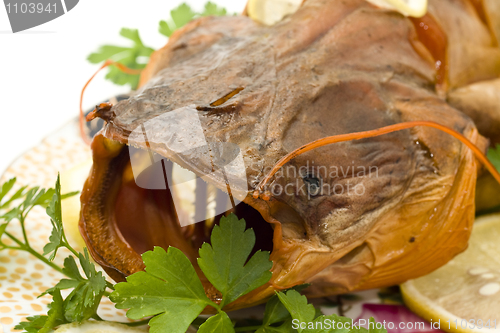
column 333, row 67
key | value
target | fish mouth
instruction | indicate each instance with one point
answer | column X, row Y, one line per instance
column 126, row 212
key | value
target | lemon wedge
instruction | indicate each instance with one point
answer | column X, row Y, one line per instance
column 99, row 327
column 270, row 12
column 73, row 180
column 463, row 295
column 414, row 8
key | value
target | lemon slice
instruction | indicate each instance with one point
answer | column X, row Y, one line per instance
column 270, row 12
column 73, row 180
column 464, row 294
column 99, row 327
column 414, row 8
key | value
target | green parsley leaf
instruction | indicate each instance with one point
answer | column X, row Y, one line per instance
column 70, row 268
column 219, row 323
column 87, row 292
column 275, row 312
column 19, row 194
column 30, row 198
column 12, row 214
column 63, row 284
column 129, row 56
column 37, row 197
column 51, row 200
column 180, row 16
column 165, row 29
column 54, row 211
column 95, row 280
column 44, row 324
column 169, row 288
column 211, row 9
column 373, row 328
column 55, row 241
column 183, row 14
column 223, row 262
column 55, row 314
column 2, row 228
column 297, row 306
column 494, row 156
column 33, row 325
column 314, row 321
column 6, row 187
column 170, row 281
column 81, row 304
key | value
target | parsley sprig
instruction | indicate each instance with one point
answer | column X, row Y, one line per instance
column 169, row 293
column 170, row 289
column 82, row 302
column 183, row 14
column 137, row 54
column 19, row 205
column 134, row 57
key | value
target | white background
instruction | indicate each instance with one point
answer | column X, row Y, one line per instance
column 43, row 69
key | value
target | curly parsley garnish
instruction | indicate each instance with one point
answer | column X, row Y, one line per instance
column 82, row 302
column 137, row 54
column 183, row 14
column 134, row 57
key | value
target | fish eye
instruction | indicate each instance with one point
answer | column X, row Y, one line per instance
column 313, row 184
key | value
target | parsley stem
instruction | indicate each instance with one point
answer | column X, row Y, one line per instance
column 96, row 317
column 21, row 221
column 215, row 306
column 45, row 260
column 65, row 243
column 29, row 249
column 247, row 328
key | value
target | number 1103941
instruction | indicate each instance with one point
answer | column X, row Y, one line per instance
column 31, row 8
